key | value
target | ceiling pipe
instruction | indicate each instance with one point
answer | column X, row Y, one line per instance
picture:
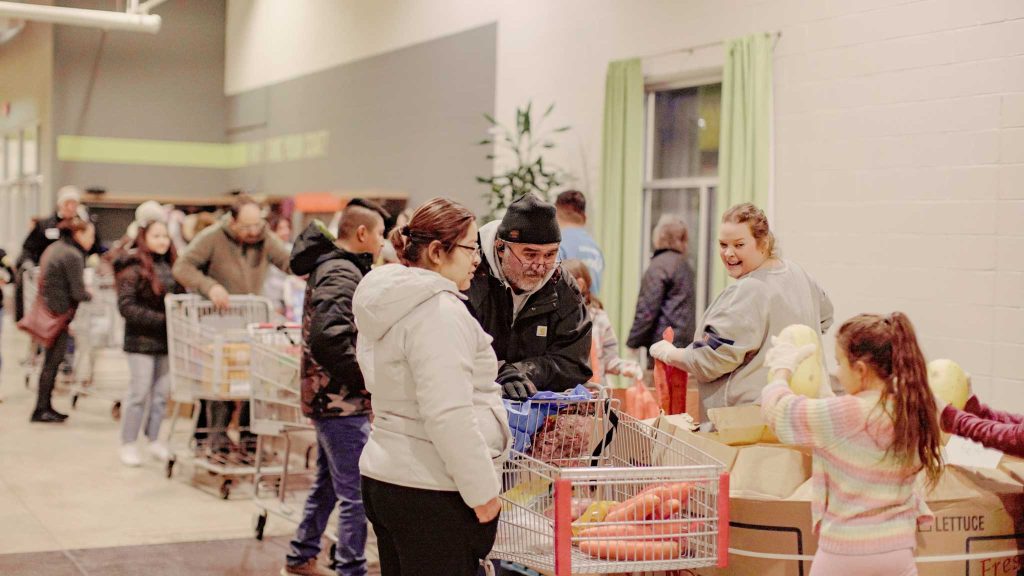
column 129, row 22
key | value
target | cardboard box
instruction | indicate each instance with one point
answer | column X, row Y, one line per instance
column 977, row 512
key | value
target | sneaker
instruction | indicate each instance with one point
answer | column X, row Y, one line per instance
column 130, row 455
column 159, row 451
column 307, row 568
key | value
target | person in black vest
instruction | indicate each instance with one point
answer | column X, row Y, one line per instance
column 530, row 306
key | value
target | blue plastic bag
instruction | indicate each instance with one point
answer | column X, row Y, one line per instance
column 525, row 418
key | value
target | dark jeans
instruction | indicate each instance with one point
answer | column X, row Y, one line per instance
column 48, row 375
column 426, row 532
column 339, row 443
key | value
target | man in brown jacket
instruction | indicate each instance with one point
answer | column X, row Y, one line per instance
column 230, row 257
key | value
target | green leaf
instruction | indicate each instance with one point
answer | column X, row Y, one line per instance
column 490, row 119
column 548, row 111
column 485, row 142
column 563, row 129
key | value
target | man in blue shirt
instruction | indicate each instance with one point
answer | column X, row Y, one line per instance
column 577, row 243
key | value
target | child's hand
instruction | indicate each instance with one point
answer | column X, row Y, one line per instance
column 631, row 370
column 783, row 357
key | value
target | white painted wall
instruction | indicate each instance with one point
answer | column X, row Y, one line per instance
column 899, row 129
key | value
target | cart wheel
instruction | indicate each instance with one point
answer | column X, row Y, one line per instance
column 170, row 466
column 309, row 453
column 225, row 489
column 74, row 400
column 261, row 523
column 115, row 411
column 28, row 381
column 333, row 564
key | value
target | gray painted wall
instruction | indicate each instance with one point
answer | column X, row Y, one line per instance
column 405, row 121
column 167, row 86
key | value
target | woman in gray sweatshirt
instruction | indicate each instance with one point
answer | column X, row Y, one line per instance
column 770, row 293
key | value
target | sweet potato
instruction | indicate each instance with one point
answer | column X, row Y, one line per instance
column 636, row 508
column 630, row 549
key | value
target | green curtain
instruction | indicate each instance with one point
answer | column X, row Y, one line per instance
column 744, row 161
column 619, row 228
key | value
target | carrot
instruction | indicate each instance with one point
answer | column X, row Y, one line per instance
column 613, row 531
column 636, row 508
column 679, row 490
column 667, row 509
column 630, row 550
column 668, row 531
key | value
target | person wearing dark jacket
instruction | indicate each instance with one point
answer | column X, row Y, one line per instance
column 62, row 286
column 333, row 392
column 144, row 277
column 666, row 297
column 529, row 305
column 6, row 276
column 44, row 232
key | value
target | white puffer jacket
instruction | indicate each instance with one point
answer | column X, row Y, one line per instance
column 439, row 423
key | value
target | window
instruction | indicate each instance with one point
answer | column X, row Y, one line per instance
column 20, row 184
column 681, row 171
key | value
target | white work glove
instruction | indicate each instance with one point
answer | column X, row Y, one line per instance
column 631, row 370
column 784, row 355
column 666, row 352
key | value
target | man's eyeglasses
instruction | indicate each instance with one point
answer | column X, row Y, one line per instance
column 254, row 228
column 537, row 259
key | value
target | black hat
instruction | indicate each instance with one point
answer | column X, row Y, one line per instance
column 530, row 220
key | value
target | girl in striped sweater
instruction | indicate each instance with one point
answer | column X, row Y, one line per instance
column 869, row 445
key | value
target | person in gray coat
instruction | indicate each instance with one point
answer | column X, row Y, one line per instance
column 62, row 270
column 667, row 291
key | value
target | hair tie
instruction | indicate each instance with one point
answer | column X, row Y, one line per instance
column 405, row 231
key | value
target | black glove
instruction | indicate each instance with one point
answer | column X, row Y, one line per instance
column 514, row 384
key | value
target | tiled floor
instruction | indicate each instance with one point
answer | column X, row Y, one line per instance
column 64, row 494
column 220, row 558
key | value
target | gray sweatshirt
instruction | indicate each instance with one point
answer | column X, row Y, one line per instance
column 729, row 346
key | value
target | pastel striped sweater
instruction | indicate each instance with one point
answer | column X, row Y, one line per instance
column 865, row 502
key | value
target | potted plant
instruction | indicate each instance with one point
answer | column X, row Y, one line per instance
column 523, row 148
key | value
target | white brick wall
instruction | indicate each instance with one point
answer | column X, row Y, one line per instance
column 900, row 170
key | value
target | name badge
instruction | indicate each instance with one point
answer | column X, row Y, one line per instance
column 542, row 331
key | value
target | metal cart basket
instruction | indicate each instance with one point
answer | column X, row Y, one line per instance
column 276, row 417
column 210, row 356
column 591, row 490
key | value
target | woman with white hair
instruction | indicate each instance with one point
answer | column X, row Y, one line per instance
column 667, row 289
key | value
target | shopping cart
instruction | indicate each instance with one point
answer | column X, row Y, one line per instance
column 210, row 354
column 277, row 417
column 591, row 490
column 99, row 367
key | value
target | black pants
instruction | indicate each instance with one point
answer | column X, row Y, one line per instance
column 215, row 416
column 425, row 532
column 48, row 375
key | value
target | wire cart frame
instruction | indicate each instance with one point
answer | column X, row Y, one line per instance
column 596, row 491
column 210, row 357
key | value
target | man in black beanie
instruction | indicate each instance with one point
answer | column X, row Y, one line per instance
column 528, row 304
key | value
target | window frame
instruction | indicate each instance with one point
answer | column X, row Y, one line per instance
column 705, row 185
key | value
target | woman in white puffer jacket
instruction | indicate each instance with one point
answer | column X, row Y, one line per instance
column 440, row 431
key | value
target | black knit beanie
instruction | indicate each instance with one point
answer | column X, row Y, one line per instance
column 530, row 220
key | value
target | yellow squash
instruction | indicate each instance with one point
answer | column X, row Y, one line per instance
column 948, row 381
column 808, row 376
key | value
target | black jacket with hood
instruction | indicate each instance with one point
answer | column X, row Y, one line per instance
column 332, row 384
column 549, row 340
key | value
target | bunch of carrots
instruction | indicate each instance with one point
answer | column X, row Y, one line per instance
column 644, row 527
